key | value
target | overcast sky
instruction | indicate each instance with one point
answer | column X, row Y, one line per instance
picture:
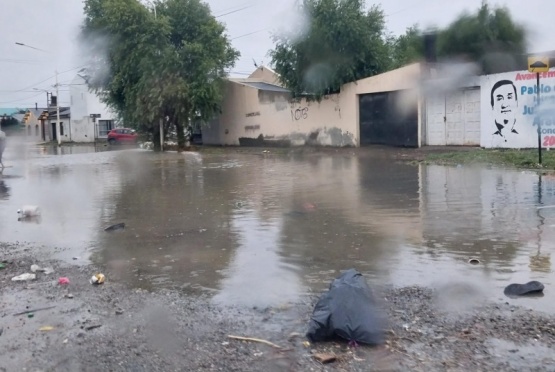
column 52, row 25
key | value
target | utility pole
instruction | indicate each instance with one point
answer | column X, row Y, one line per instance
column 161, row 120
column 58, row 126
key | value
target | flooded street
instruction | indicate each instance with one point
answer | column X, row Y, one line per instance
column 262, row 230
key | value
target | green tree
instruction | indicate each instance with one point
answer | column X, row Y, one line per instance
column 169, row 68
column 343, row 42
column 488, row 36
column 407, row 48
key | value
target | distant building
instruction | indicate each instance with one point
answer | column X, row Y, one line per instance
column 91, row 119
column 382, row 109
column 65, row 124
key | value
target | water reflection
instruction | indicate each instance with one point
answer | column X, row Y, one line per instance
column 262, row 230
column 4, row 190
column 257, row 274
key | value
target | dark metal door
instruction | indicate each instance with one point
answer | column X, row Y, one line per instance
column 389, row 118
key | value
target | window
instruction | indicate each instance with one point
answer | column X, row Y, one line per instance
column 104, row 126
column 61, row 129
column 36, row 130
column 29, row 130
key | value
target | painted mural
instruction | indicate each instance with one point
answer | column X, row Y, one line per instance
column 510, row 112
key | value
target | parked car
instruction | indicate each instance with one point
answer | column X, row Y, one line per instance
column 122, row 135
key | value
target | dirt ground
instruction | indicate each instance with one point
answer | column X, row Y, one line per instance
column 115, row 328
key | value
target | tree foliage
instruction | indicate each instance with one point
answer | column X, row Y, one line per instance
column 341, row 42
column 149, row 68
column 407, row 48
column 488, row 36
column 483, row 36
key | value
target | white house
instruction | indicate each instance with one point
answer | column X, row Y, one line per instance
column 65, row 124
column 91, row 119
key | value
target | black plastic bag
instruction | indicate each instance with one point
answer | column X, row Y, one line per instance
column 348, row 310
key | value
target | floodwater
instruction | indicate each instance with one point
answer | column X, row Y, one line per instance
column 264, row 230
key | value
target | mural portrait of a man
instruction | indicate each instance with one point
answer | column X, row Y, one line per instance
column 504, row 103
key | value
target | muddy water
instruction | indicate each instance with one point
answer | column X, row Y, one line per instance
column 263, row 230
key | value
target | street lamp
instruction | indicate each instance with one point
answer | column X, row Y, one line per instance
column 58, row 136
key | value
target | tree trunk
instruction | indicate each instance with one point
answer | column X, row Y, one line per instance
column 156, row 138
column 180, row 136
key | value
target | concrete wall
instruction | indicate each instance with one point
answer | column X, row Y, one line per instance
column 83, row 104
column 265, row 74
column 248, row 112
column 33, row 131
column 82, row 130
column 67, row 129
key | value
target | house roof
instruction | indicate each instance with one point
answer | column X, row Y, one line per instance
column 65, row 112
column 36, row 112
column 18, row 117
column 8, row 111
column 265, row 86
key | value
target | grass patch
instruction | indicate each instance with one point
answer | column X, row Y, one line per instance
column 506, row 157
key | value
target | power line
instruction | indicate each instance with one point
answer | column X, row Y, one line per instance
column 51, row 77
column 234, row 11
column 23, row 99
column 233, row 7
column 248, row 34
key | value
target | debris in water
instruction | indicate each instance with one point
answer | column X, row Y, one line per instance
column 325, row 358
column 63, row 281
column 28, row 211
column 255, row 340
column 24, row 277
column 93, row 327
column 533, row 287
column 474, row 261
column 34, row 310
column 46, row 328
column 347, row 310
column 35, row 268
column 97, row 279
column 118, row 226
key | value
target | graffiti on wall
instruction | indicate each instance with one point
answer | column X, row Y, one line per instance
column 299, row 114
column 510, row 111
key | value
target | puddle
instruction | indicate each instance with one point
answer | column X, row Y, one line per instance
column 521, row 357
column 262, row 231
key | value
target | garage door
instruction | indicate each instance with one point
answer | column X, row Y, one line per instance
column 389, row 118
column 454, row 118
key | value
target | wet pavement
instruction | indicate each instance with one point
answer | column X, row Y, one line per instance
column 264, row 230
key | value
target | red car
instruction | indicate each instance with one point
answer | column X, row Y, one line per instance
column 122, row 135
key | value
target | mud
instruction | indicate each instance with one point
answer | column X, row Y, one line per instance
column 114, row 327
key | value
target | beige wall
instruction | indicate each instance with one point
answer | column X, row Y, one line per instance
column 265, row 74
column 248, row 112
